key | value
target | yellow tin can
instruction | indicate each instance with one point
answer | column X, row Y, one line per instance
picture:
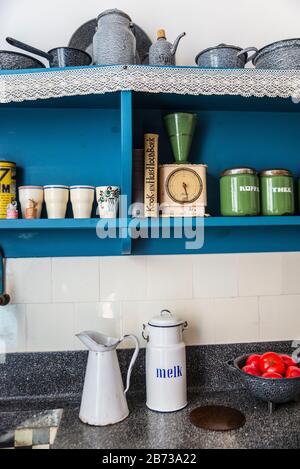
column 7, row 185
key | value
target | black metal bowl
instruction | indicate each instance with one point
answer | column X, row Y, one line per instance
column 275, row 391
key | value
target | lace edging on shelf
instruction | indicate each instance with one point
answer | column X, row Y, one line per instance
column 18, row 87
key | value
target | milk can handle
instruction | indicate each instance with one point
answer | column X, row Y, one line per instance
column 163, row 311
column 146, row 338
column 133, row 359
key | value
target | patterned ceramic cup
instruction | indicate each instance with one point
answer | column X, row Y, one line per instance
column 31, row 199
column 108, row 201
column 56, row 198
column 82, row 198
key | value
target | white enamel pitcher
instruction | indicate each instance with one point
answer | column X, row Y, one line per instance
column 104, row 399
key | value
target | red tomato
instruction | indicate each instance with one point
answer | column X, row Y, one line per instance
column 273, row 360
column 272, row 375
column 288, row 361
column 253, row 360
column 274, row 369
column 292, row 372
column 251, row 370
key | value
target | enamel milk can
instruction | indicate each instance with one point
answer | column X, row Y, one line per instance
column 114, row 42
column 165, row 363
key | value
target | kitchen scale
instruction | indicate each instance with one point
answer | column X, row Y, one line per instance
column 182, row 186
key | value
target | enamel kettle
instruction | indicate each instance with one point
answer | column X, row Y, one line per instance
column 104, row 399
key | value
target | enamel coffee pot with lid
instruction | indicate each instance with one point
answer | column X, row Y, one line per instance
column 165, row 363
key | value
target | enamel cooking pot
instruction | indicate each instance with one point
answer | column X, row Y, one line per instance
column 224, row 56
column 58, row 57
column 16, row 61
column 280, row 55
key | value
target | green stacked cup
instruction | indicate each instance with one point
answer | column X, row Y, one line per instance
column 181, row 127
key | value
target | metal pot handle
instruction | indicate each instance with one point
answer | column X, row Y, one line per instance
column 133, row 359
column 246, row 51
column 230, row 363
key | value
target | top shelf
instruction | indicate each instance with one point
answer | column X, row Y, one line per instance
column 164, row 87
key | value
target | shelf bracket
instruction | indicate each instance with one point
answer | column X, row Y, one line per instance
column 4, row 297
column 126, row 165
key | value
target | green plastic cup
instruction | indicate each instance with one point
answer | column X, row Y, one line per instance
column 181, row 128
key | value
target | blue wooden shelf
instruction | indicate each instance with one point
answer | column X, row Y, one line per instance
column 225, row 222
column 222, row 235
column 89, row 140
column 69, row 237
column 45, row 224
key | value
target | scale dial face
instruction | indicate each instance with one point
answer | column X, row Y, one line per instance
column 184, row 186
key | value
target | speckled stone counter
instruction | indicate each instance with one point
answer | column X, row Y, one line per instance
column 37, row 382
column 151, row 430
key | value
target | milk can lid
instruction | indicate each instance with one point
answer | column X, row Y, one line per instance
column 165, row 319
column 114, row 11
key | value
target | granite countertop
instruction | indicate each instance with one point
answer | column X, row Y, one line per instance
column 55, row 381
column 146, row 429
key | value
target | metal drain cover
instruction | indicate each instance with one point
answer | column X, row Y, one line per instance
column 217, row 418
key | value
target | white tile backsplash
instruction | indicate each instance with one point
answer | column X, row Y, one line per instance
column 50, row 327
column 291, row 273
column 104, row 317
column 75, row 279
column 260, row 274
column 225, row 298
column 280, row 317
column 124, row 279
column 169, row 277
column 29, row 280
column 236, row 320
column 215, row 276
column 13, row 328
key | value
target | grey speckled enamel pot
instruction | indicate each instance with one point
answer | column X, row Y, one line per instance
column 15, row 61
column 223, row 56
column 275, row 391
column 281, row 55
column 57, row 57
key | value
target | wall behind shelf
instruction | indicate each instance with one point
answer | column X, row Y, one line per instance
column 50, row 23
column 225, row 298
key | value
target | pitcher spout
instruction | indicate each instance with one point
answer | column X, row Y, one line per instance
column 97, row 342
column 176, row 42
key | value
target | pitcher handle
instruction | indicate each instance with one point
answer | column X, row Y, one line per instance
column 133, row 359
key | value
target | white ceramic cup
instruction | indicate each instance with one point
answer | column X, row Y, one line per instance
column 31, row 199
column 82, row 198
column 56, row 198
column 108, row 201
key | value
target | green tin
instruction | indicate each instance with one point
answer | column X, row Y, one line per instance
column 277, row 192
column 239, row 192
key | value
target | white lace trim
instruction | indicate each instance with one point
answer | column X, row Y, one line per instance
column 17, row 87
